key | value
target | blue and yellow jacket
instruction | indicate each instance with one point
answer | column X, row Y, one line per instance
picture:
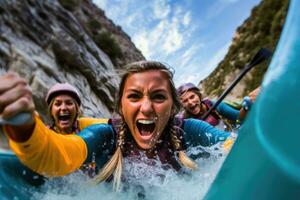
column 51, row 154
column 83, row 122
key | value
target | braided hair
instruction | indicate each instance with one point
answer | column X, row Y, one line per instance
column 114, row 165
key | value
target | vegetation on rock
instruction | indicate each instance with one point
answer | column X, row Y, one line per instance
column 261, row 29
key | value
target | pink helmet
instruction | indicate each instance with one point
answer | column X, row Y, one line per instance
column 62, row 88
column 186, row 87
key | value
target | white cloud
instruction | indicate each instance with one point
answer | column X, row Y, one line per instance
column 161, row 9
column 163, row 34
column 192, row 68
column 186, row 60
column 186, row 19
column 164, row 30
column 189, row 65
column 130, row 16
column 173, row 39
column 187, row 78
column 166, row 36
column 143, row 43
column 157, row 27
column 101, row 3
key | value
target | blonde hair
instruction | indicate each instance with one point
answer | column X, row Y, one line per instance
column 183, row 158
column 115, row 164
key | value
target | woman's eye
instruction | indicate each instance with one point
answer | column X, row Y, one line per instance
column 69, row 103
column 57, row 104
column 159, row 97
column 133, row 96
column 193, row 96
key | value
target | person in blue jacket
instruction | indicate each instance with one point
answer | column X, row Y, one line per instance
column 195, row 106
column 147, row 104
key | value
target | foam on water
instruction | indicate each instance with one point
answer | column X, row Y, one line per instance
column 143, row 179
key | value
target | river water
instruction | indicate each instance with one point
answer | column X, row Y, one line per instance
column 143, row 181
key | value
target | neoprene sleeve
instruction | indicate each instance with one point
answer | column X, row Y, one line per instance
column 198, row 132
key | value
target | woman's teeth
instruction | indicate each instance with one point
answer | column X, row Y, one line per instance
column 144, row 121
column 145, row 127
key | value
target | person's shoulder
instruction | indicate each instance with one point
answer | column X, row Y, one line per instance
column 96, row 130
column 208, row 101
column 87, row 121
column 93, row 120
column 99, row 126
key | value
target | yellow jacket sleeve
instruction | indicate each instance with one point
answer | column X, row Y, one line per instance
column 49, row 153
column 85, row 121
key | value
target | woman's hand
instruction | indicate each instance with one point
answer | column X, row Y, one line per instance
column 248, row 101
column 16, row 107
column 15, row 96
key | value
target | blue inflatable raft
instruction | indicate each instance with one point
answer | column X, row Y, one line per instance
column 264, row 162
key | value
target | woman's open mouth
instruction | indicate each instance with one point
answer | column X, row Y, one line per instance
column 64, row 118
column 145, row 127
column 194, row 108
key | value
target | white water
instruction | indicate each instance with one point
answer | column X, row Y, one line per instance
column 146, row 181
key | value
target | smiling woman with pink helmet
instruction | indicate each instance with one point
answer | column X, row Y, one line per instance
column 64, row 103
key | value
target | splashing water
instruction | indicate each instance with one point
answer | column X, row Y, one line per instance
column 145, row 179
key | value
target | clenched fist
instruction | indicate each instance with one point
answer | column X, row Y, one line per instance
column 15, row 96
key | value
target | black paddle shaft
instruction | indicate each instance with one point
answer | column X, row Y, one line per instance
column 259, row 57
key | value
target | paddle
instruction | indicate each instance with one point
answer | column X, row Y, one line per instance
column 19, row 119
column 262, row 55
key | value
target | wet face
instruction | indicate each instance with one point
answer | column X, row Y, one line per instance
column 191, row 102
column 64, row 112
column 146, row 106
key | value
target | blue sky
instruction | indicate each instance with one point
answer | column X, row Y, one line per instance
column 192, row 36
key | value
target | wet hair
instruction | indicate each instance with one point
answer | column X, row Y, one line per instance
column 114, row 165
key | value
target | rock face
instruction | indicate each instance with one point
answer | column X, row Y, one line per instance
column 261, row 29
column 50, row 41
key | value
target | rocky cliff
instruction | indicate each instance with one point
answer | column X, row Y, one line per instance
column 50, row 41
column 261, row 29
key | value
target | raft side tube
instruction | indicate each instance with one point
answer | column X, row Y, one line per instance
column 264, row 163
